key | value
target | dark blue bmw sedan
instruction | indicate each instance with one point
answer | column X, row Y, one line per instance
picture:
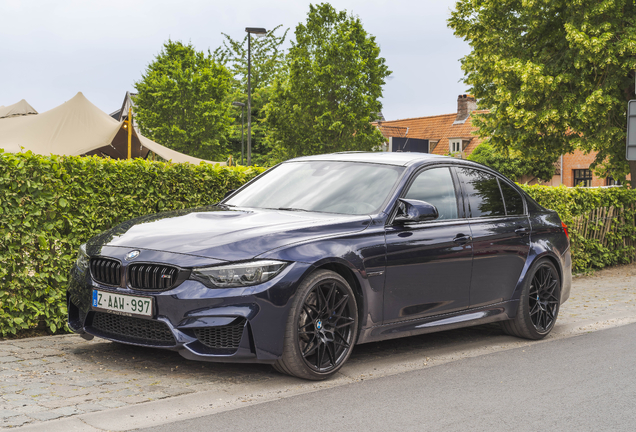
column 321, row 253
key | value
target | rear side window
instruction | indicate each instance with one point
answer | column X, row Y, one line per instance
column 435, row 186
column 512, row 199
column 483, row 193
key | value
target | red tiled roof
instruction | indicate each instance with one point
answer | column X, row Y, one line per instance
column 437, row 128
column 393, row 131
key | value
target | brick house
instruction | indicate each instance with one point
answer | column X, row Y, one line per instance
column 454, row 134
column 443, row 134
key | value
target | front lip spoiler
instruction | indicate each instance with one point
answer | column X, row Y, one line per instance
column 189, row 347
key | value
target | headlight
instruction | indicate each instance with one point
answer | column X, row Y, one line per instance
column 238, row 275
column 82, row 258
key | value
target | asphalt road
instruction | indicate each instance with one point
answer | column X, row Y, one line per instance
column 583, row 383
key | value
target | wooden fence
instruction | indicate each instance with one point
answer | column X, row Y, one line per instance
column 598, row 223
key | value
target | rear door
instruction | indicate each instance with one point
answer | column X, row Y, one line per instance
column 500, row 230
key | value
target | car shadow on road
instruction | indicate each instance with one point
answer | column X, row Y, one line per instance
column 450, row 339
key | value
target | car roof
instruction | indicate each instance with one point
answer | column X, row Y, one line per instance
column 387, row 158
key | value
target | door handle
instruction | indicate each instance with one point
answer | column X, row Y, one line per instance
column 462, row 239
column 522, row 231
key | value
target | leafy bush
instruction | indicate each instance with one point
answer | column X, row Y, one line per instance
column 50, row 205
column 608, row 239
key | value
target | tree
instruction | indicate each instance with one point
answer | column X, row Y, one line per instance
column 555, row 74
column 513, row 165
column 181, row 102
column 330, row 93
column 268, row 61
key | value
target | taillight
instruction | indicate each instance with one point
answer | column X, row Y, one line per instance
column 565, row 230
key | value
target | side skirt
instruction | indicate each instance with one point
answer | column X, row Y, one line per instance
column 466, row 318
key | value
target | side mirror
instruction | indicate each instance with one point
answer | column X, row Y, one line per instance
column 410, row 211
column 228, row 193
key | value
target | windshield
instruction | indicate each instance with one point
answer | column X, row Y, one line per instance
column 333, row 187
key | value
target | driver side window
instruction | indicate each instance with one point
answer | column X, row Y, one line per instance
column 435, row 186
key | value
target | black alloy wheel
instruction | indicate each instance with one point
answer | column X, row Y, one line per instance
column 321, row 329
column 324, row 326
column 543, row 300
column 539, row 303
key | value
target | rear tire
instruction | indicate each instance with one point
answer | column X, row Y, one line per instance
column 321, row 328
column 539, row 304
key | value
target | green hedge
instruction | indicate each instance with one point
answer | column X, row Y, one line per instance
column 610, row 238
column 50, row 205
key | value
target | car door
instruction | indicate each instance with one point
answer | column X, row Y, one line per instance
column 428, row 266
column 501, row 235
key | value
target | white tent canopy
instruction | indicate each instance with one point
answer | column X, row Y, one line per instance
column 21, row 108
column 77, row 127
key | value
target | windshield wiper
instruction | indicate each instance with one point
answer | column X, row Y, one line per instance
column 291, row 209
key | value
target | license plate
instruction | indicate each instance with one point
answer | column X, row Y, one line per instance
column 122, row 304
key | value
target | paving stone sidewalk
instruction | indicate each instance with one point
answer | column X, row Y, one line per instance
column 47, row 378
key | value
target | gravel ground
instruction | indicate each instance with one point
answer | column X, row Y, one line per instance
column 54, row 377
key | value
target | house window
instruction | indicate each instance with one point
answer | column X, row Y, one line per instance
column 583, row 177
column 455, row 145
column 611, row 182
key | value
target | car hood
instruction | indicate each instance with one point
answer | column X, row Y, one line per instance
column 223, row 233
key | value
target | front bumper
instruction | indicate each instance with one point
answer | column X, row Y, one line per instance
column 249, row 322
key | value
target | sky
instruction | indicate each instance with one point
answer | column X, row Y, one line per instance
column 51, row 50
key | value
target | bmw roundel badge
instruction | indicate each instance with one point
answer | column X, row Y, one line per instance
column 132, row 255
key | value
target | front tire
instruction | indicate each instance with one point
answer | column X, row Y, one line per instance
column 539, row 303
column 321, row 328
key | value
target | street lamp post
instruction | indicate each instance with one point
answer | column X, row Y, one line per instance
column 242, row 105
column 259, row 32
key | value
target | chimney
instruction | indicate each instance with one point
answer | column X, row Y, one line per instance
column 465, row 105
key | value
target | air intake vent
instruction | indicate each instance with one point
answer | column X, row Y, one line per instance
column 131, row 329
column 155, row 277
column 106, row 271
column 227, row 336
